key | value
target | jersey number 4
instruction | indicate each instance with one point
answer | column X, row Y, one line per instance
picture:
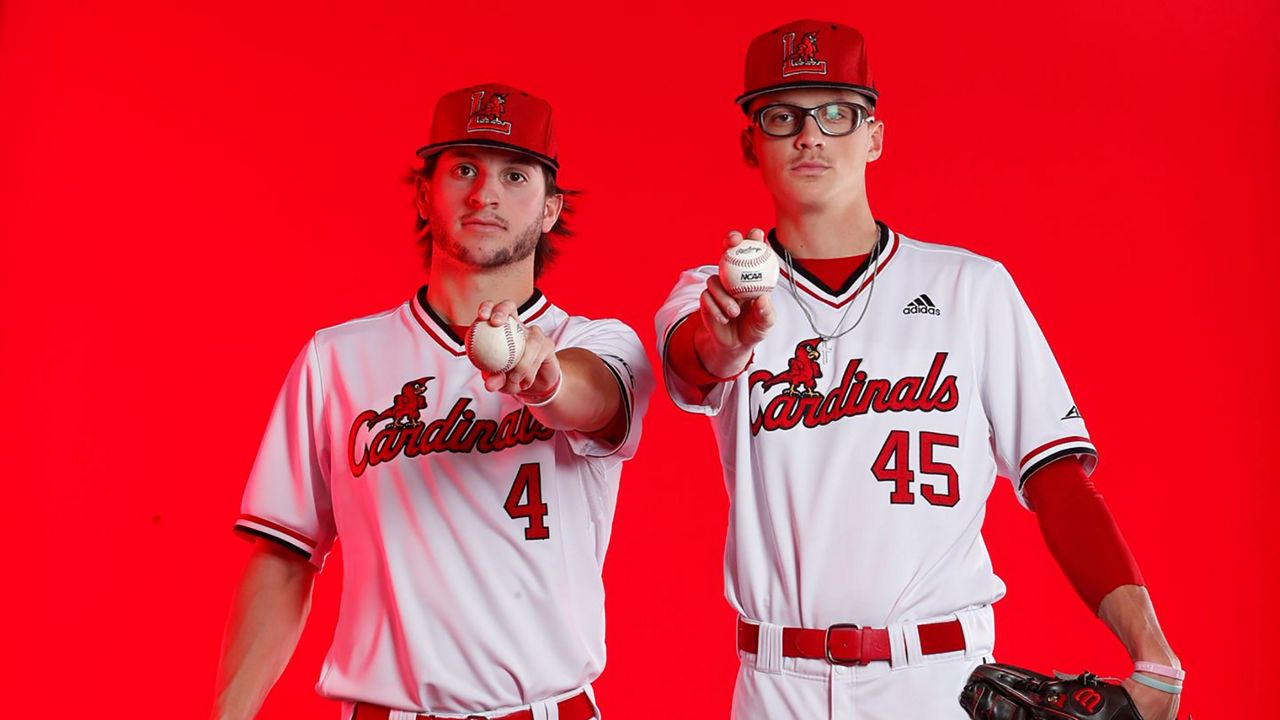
column 528, row 486
column 897, row 450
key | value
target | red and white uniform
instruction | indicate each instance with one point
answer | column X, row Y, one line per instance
column 859, row 469
column 472, row 536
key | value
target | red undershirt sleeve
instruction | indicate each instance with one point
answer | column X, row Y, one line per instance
column 1080, row 531
column 684, row 361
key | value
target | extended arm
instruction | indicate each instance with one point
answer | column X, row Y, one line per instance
column 715, row 343
column 570, row 389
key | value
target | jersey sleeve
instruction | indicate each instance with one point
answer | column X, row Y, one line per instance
column 679, row 306
column 623, row 354
column 286, row 499
column 1032, row 415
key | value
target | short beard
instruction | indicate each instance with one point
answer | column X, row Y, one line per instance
column 526, row 242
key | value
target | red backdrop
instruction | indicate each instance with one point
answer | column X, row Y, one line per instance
column 185, row 195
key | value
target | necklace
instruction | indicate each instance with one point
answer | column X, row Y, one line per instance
column 837, row 333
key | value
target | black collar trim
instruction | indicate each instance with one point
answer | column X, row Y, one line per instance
column 442, row 331
column 882, row 243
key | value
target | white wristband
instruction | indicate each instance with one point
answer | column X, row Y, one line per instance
column 552, row 396
column 1157, row 669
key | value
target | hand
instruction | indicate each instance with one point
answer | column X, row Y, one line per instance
column 538, row 370
column 1152, row 703
column 731, row 328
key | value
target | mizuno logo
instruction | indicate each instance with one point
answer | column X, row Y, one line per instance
column 921, row 306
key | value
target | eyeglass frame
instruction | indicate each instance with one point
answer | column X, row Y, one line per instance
column 864, row 113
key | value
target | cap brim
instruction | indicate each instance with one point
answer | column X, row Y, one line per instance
column 428, row 150
column 742, row 100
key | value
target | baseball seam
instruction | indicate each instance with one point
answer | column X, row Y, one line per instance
column 511, row 347
column 750, row 288
column 750, row 262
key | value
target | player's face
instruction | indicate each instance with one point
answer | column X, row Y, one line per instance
column 812, row 170
column 487, row 208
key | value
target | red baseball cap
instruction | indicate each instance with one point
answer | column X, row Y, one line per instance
column 497, row 116
column 807, row 53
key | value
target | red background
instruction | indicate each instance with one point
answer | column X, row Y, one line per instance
column 186, row 195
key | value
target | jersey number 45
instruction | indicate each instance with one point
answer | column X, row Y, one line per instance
column 897, row 449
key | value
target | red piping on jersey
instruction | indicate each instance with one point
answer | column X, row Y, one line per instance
column 873, row 271
column 281, row 528
column 1060, row 441
column 546, row 304
column 413, row 306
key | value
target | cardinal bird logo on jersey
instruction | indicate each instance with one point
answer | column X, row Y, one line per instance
column 487, row 112
column 802, row 371
column 405, row 408
column 801, row 57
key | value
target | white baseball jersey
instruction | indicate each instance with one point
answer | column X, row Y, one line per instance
column 859, row 469
column 472, row 535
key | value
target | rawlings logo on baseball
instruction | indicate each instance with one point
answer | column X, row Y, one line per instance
column 749, row 269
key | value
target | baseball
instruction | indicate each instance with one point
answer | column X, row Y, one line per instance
column 749, row 269
column 495, row 349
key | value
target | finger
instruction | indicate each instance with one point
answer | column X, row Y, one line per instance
column 493, row 382
column 727, row 303
column 483, row 312
column 764, row 310
column 759, row 319
column 537, row 347
column 733, row 238
column 502, row 311
column 755, row 234
column 512, row 387
column 711, row 312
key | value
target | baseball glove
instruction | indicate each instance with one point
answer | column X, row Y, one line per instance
column 1006, row 692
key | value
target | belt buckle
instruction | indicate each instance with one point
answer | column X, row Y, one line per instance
column 826, row 645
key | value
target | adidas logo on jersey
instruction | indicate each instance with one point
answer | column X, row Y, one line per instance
column 921, row 306
column 1072, row 414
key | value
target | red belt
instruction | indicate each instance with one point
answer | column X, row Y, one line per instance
column 847, row 644
column 578, row 707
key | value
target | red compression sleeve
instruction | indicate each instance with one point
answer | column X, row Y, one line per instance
column 1080, row 531
column 684, row 361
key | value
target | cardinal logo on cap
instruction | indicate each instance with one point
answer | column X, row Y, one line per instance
column 486, row 113
column 801, row 57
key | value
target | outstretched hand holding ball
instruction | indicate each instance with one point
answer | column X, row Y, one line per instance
column 512, row 358
column 736, row 307
column 749, row 269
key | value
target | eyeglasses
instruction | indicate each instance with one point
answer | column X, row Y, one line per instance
column 834, row 119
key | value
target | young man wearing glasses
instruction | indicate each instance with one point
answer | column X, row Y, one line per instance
column 863, row 411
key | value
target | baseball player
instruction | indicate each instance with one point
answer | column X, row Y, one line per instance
column 474, row 509
column 863, row 411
